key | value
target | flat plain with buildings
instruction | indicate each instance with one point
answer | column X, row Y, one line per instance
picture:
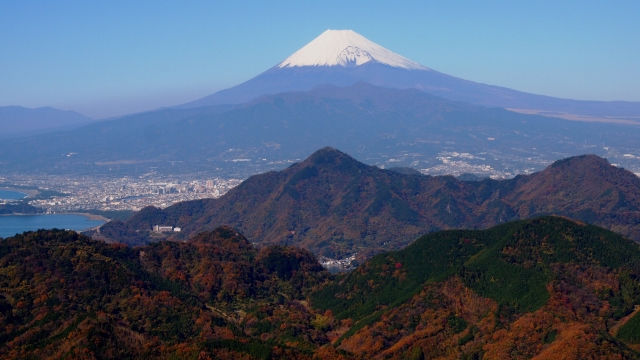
column 133, row 192
column 124, row 193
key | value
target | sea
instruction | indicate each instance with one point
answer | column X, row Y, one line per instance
column 17, row 224
column 11, row 195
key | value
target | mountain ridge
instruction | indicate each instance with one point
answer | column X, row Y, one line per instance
column 334, row 205
column 21, row 121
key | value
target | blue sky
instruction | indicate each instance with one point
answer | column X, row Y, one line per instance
column 106, row 58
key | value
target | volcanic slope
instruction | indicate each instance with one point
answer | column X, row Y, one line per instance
column 334, row 205
column 362, row 119
column 344, row 57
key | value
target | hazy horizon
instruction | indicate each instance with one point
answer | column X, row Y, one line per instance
column 117, row 58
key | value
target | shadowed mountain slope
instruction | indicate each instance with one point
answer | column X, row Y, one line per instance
column 362, row 119
column 334, row 205
column 587, row 187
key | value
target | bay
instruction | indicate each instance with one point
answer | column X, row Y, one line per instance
column 11, row 195
column 17, row 224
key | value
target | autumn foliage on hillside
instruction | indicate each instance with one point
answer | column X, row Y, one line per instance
column 546, row 288
column 334, row 205
column 63, row 295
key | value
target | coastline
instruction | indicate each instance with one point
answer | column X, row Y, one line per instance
column 21, row 214
column 74, row 223
column 26, row 192
column 87, row 215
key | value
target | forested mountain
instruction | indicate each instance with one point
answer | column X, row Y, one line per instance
column 547, row 287
column 334, row 205
column 65, row 296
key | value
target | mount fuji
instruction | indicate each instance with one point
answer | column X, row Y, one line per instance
column 344, row 57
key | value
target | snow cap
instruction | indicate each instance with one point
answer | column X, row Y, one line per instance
column 348, row 49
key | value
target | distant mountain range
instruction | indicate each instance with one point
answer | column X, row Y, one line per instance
column 548, row 288
column 362, row 119
column 340, row 90
column 20, row 121
column 343, row 58
column 334, row 205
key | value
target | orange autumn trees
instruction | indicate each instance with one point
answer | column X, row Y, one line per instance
column 519, row 290
column 542, row 288
column 65, row 295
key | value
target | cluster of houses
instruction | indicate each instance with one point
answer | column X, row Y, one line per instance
column 165, row 228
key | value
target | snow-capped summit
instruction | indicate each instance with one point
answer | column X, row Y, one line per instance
column 346, row 48
column 344, row 57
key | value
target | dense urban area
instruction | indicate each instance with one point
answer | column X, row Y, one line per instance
column 133, row 192
column 125, row 193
